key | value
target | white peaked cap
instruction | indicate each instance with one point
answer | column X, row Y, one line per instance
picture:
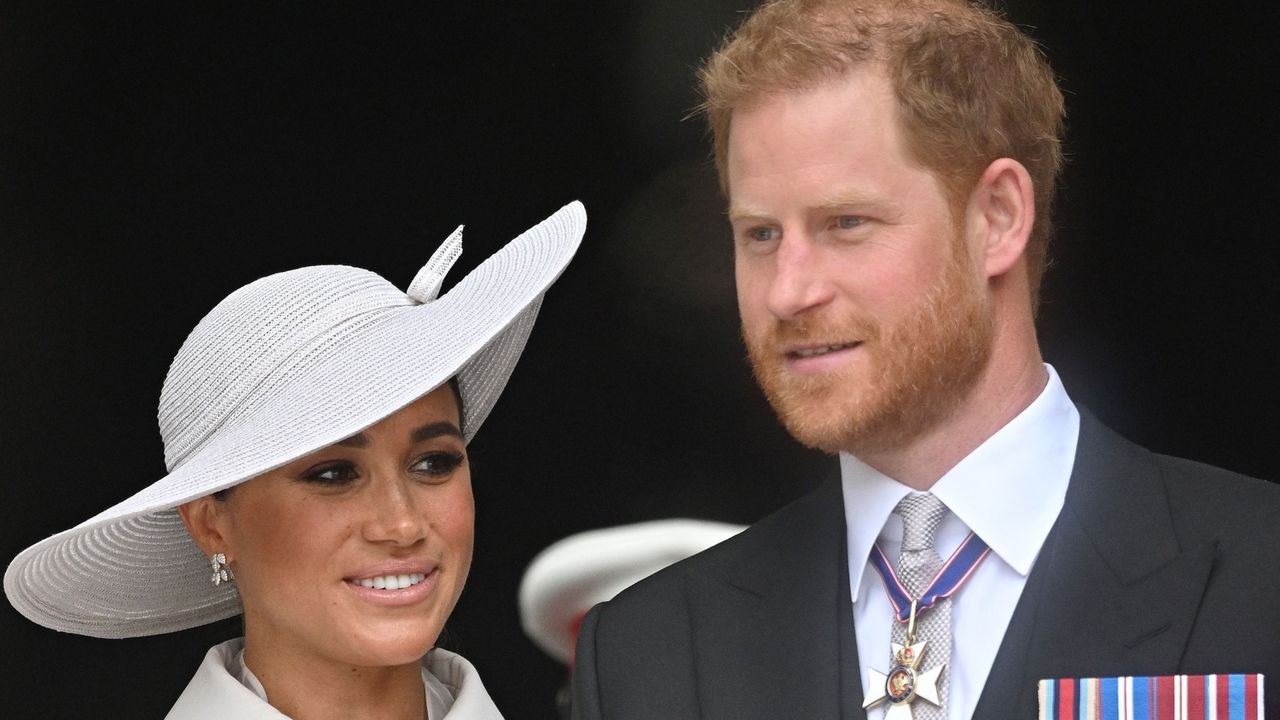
column 564, row 581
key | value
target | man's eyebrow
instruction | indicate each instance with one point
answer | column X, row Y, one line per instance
column 849, row 198
column 435, row 430
column 359, row 440
column 746, row 210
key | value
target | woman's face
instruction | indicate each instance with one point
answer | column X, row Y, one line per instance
column 357, row 553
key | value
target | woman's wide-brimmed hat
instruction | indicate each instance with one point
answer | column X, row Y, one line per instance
column 282, row 367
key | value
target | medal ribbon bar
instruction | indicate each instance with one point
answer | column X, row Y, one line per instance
column 1166, row 697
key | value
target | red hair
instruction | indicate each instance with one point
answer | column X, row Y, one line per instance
column 971, row 87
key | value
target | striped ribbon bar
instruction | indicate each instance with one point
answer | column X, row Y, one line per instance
column 1166, row 697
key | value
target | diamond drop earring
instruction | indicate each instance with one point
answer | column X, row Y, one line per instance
column 221, row 571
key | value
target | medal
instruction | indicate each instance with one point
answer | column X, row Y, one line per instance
column 905, row 681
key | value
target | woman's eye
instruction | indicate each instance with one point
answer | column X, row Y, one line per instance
column 849, row 222
column 334, row 473
column 439, row 463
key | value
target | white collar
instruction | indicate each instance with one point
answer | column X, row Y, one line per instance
column 448, row 678
column 1008, row 491
column 219, row 688
column 439, row 695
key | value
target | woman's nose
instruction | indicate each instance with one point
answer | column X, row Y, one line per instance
column 393, row 515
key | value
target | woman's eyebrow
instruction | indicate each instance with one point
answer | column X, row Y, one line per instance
column 434, row 430
column 359, row 440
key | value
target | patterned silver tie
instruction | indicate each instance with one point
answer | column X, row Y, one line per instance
column 918, row 563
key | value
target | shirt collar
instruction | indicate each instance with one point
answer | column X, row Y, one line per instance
column 1008, row 491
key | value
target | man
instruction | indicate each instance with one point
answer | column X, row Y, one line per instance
column 889, row 167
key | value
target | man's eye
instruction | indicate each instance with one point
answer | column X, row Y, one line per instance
column 763, row 234
column 439, row 463
column 849, row 222
column 333, row 473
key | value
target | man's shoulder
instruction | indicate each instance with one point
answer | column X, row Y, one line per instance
column 1210, row 501
column 1204, row 504
column 789, row 533
column 1234, row 518
column 686, row 638
column 1196, row 490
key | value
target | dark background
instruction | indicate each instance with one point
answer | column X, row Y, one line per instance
column 152, row 159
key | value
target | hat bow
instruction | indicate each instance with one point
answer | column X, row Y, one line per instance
column 426, row 284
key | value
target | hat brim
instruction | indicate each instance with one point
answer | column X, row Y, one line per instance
column 133, row 570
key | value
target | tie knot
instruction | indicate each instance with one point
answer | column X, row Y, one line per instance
column 921, row 515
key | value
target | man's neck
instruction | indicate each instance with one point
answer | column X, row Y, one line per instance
column 1003, row 391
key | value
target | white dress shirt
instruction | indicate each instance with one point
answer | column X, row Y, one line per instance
column 1009, row 492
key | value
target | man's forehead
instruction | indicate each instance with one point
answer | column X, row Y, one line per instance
column 857, row 94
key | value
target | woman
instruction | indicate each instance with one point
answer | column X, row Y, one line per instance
column 315, row 427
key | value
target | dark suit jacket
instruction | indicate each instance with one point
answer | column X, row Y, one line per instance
column 1155, row 566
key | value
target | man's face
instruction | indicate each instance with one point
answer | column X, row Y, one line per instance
column 864, row 314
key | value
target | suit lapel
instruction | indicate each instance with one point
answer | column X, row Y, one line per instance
column 770, row 637
column 1112, row 591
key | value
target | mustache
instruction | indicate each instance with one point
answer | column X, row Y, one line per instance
column 808, row 331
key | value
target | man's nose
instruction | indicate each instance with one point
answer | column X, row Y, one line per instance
column 799, row 281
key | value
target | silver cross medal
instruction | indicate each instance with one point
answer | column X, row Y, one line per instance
column 903, row 684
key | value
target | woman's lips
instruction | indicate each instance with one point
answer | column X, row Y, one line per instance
column 396, row 588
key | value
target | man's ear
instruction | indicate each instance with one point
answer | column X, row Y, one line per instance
column 207, row 520
column 1002, row 209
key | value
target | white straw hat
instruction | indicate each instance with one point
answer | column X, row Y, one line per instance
column 282, row 367
column 574, row 574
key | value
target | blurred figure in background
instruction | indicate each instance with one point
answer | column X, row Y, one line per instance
column 574, row 574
